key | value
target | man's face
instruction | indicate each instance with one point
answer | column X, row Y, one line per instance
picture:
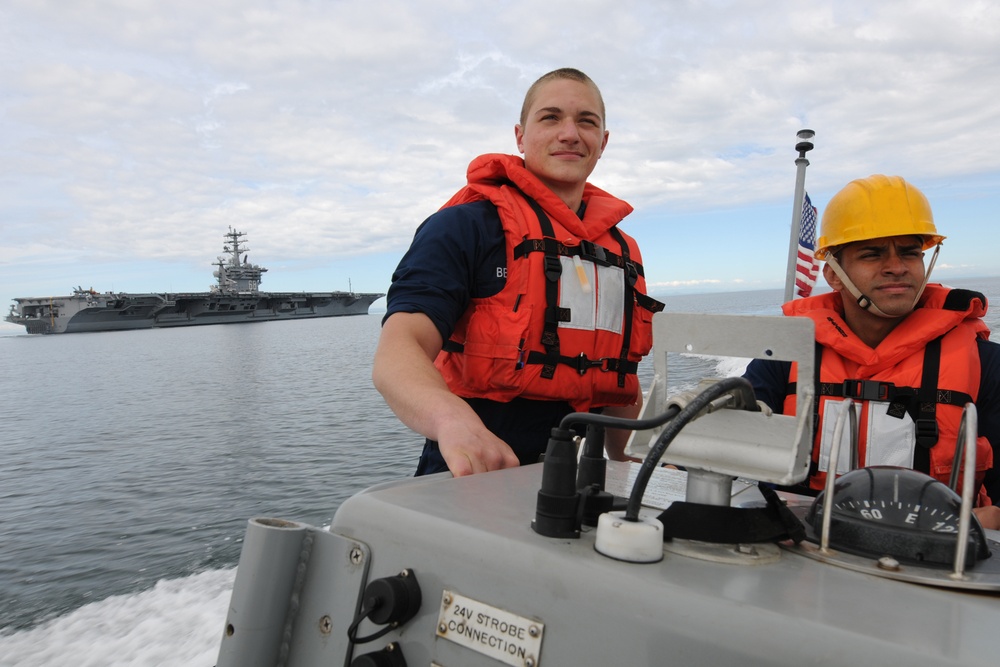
column 563, row 135
column 888, row 270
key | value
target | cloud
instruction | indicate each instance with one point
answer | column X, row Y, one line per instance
column 330, row 130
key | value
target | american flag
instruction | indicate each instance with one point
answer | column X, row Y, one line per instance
column 806, row 266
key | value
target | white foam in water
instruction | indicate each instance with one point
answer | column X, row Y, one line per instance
column 178, row 622
column 731, row 366
column 724, row 366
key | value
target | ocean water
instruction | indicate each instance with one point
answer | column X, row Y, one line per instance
column 131, row 461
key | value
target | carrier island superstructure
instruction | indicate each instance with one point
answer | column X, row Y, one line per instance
column 236, row 297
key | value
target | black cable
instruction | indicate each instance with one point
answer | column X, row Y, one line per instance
column 690, row 411
column 375, row 635
column 592, row 464
column 584, row 418
column 370, row 605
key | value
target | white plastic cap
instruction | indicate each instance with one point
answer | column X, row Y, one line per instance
column 631, row 541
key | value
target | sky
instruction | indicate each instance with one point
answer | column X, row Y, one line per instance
column 134, row 133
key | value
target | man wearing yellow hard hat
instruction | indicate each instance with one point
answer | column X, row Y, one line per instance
column 909, row 353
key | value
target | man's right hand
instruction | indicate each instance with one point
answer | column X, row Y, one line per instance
column 404, row 373
column 468, row 452
column 473, row 450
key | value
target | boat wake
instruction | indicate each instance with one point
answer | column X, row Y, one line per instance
column 177, row 622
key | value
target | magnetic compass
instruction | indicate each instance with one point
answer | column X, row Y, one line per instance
column 897, row 512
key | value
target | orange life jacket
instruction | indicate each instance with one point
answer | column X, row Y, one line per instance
column 911, row 389
column 573, row 319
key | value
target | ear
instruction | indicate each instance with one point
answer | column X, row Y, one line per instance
column 519, row 138
column 832, row 279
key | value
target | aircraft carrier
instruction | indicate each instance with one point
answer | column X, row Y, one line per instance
column 235, row 298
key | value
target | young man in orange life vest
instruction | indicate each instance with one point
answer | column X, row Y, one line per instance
column 910, row 354
column 519, row 301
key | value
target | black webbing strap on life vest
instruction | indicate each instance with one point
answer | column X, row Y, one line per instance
column 581, row 363
column 631, row 277
column 587, row 250
column 925, row 407
column 648, row 302
column 553, row 314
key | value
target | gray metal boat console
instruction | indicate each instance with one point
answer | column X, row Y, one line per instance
column 489, row 570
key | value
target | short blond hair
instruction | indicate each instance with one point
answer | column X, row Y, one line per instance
column 561, row 73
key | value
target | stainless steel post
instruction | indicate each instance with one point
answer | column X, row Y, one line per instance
column 803, row 146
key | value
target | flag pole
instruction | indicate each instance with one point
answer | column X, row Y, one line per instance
column 803, row 146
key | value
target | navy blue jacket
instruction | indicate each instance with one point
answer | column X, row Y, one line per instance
column 458, row 254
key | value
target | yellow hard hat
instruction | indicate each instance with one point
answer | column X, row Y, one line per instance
column 876, row 207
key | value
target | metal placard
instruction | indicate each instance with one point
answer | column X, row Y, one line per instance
column 494, row 632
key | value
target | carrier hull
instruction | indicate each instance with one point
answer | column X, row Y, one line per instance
column 88, row 312
column 234, row 298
